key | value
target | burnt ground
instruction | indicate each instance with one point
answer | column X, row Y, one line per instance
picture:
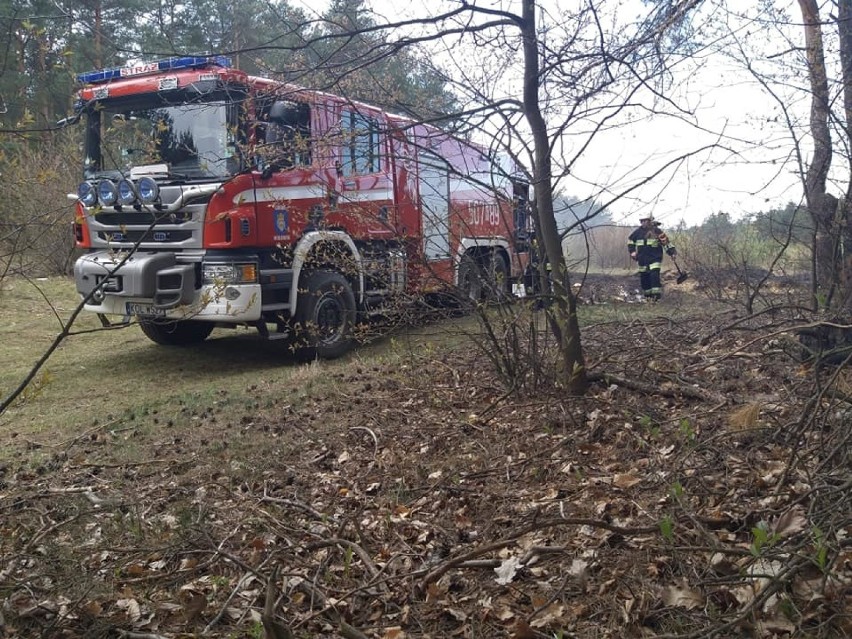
column 701, row 488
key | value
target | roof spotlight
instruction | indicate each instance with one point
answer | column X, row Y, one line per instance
column 148, row 190
column 126, row 192
column 87, row 193
column 107, row 192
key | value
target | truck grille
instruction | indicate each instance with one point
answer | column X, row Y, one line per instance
column 148, row 236
column 130, row 218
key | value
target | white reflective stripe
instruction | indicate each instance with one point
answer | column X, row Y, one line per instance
column 272, row 194
column 373, row 195
column 469, row 242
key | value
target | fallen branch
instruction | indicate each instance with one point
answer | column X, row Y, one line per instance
column 441, row 570
column 652, row 389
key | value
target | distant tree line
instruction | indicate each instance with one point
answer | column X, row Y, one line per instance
column 47, row 42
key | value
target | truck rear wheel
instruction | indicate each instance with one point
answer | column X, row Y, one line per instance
column 179, row 333
column 483, row 280
column 471, row 278
column 325, row 316
column 497, row 279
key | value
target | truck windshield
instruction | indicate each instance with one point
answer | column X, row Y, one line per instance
column 195, row 140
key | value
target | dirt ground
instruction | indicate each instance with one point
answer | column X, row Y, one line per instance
column 701, row 488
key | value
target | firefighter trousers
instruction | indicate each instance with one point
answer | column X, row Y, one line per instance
column 649, row 280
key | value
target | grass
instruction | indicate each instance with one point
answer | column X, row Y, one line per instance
column 101, row 379
column 109, row 378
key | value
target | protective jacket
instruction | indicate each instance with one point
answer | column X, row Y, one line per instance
column 648, row 244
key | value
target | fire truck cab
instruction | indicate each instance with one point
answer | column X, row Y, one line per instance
column 211, row 197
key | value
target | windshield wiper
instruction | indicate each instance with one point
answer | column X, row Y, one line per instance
column 174, row 175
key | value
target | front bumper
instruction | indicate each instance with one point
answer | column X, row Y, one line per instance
column 156, row 285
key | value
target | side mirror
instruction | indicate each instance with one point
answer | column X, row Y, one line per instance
column 282, row 112
column 71, row 119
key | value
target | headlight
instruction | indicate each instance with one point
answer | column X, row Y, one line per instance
column 126, row 192
column 107, row 192
column 148, row 190
column 229, row 273
column 87, row 194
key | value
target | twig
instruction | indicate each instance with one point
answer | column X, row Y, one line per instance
column 556, row 594
column 295, row 504
column 741, row 320
column 147, row 462
column 34, row 540
column 362, row 554
column 755, row 604
column 372, row 434
column 240, row 584
column 348, row 631
column 272, row 628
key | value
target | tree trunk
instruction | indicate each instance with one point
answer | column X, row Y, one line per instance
column 821, row 206
column 562, row 316
column 844, row 27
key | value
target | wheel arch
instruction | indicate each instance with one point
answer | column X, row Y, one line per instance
column 478, row 248
column 310, row 245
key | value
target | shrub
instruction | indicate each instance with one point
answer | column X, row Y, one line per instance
column 35, row 213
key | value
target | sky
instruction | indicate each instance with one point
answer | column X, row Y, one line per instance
column 714, row 101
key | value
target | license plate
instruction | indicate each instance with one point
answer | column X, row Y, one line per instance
column 145, row 310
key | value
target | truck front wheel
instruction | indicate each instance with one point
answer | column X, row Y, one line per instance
column 179, row 333
column 325, row 316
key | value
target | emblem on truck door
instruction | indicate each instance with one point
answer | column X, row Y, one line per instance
column 281, row 220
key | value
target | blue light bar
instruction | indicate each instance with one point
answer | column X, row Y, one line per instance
column 144, row 68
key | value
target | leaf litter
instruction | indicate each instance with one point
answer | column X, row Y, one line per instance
column 423, row 501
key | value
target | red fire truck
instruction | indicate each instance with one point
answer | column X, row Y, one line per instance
column 215, row 198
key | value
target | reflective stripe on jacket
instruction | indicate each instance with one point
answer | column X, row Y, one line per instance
column 648, row 245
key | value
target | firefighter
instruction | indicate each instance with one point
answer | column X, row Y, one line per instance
column 532, row 275
column 646, row 245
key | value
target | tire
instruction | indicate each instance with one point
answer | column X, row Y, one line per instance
column 497, row 279
column 486, row 281
column 471, row 278
column 325, row 316
column 180, row 333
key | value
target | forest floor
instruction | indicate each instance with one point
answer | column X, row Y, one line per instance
column 700, row 488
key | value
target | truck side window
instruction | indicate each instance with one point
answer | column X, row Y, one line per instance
column 361, row 148
column 287, row 137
